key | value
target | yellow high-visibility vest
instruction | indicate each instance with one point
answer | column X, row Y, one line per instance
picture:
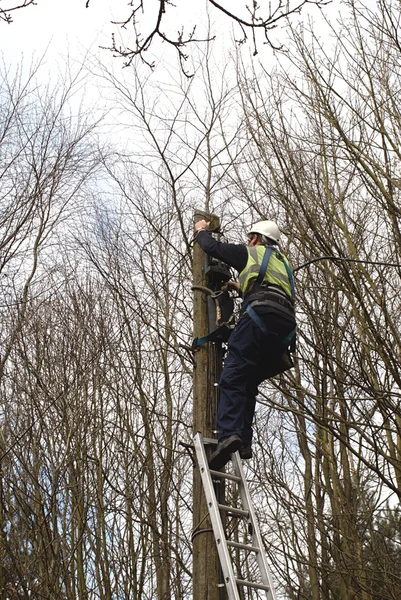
column 276, row 272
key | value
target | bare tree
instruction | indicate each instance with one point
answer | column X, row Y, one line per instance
column 329, row 169
column 96, row 386
column 47, row 158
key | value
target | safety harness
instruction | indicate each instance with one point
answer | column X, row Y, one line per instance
column 271, row 296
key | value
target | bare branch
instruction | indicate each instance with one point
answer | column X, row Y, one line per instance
column 5, row 12
column 257, row 20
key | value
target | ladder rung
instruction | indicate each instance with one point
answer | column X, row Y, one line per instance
column 243, row 546
column 251, row 584
column 225, row 475
column 235, row 511
column 209, row 441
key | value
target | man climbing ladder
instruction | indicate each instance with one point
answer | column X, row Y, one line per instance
column 260, row 338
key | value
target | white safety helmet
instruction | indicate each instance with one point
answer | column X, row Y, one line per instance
column 267, row 228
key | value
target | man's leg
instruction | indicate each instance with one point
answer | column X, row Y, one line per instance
column 233, row 381
column 245, row 367
column 251, row 393
column 240, row 362
column 267, row 350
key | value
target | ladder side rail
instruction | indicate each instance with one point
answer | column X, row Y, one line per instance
column 218, row 529
column 256, row 535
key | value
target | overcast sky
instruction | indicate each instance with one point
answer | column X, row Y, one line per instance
column 67, row 27
column 60, row 23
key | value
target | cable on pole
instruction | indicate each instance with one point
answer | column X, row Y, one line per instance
column 350, row 260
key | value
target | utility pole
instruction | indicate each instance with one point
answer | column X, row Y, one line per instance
column 206, row 566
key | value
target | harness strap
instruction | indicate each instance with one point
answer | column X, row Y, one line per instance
column 256, row 319
column 221, row 334
column 263, row 269
column 290, row 277
column 287, row 341
column 264, row 265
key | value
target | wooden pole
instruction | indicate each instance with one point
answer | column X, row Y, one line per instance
column 206, row 566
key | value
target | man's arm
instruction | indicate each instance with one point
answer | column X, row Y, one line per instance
column 235, row 255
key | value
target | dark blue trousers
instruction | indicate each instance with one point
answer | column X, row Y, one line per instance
column 245, row 367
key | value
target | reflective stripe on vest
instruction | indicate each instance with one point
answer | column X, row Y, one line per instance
column 276, row 271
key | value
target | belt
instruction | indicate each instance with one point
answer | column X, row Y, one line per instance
column 279, row 302
column 270, row 292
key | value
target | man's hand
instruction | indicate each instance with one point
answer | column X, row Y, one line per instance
column 202, row 225
column 233, row 285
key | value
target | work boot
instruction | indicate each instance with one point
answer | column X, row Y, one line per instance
column 245, row 451
column 225, row 448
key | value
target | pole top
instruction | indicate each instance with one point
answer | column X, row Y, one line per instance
column 213, row 219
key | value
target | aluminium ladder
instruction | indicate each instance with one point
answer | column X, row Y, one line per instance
column 232, row 583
